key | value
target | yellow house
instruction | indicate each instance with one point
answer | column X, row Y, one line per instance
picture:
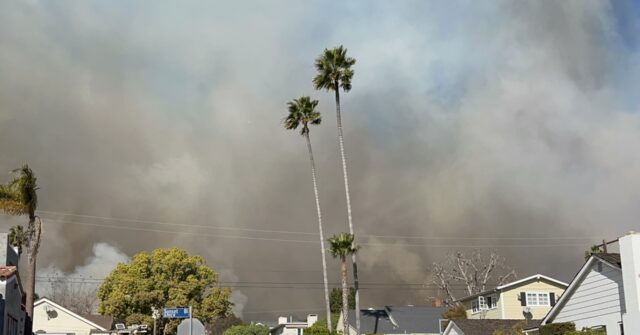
column 527, row 298
column 51, row 318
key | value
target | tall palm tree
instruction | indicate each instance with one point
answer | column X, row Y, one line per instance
column 302, row 113
column 20, row 197
column 334, row 72
column 342, row 246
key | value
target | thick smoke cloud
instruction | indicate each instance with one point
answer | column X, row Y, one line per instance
column 468, row 120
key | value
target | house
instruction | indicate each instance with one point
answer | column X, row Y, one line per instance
column 605, row 293
column 485, row 326
column 14, row 318
column 287, row 326
column 528, row 298
column 396, row 320
column 51, row 318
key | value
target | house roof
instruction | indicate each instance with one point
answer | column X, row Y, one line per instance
column 399, row 319
column 516, row 283
column 7, row 271
column 104, row 321
column 487, row 326
column 611, row 259
column 374, row 321
column 75, row 315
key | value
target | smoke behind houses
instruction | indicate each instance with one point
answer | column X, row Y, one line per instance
column 160, row 123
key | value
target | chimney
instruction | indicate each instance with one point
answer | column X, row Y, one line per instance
column 282, row 320
column 630, row 259
column 311, row 319
column 437, row 302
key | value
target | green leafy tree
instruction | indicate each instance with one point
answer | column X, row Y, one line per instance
column 247, row 330
column 336, row 299
column 341, row 247
column 319, row 328
column 334, row 72
column 593, row 250
column 302, row 113
column 20, row 197
column 219, row 325
column 163, row 278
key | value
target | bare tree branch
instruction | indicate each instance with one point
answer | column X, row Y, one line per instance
column 470, row 273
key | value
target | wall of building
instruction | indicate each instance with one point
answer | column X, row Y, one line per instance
column 511, row 299
column 598, row 300
column 8, row 256
column 10, row 291
column 58, row 321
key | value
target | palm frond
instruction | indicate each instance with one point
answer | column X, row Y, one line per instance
column 302, row 113
column 334, row 68
column 342, row 245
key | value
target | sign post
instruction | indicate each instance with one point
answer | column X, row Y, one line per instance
column 190, row 320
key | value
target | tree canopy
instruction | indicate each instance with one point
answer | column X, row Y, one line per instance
column 163, row 278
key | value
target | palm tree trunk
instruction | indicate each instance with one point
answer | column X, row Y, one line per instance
column 345, row 297
column 35, row 228
column 324, row 260
column 356, row 283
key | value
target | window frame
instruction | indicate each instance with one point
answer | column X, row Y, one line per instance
column 537, row 295
column 475, row 308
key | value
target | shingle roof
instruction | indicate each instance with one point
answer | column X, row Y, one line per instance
column 611, row 258
column 373, row 321
column 417, row 319
column 399, row 320
column 489, row 326
column 104, row 321
column 7, row 271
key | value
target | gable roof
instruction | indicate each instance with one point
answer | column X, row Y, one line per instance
column 104, row 321
column 516, row 283
column 610, row 259
column 487, row 326
column 7, row 271
column 399, row 319
column 75, row 315
column 374, row 321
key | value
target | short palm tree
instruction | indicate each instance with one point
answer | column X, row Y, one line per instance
column 341, row 247
column 17, row 238
column 334, row 71
column 19, row 197
column 302, row 113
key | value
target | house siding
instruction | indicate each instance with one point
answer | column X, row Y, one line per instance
column 598, row 300
column 58, row 321
column 514, row 310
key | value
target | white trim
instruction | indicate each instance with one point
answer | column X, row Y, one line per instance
column 537, row 277
column 451, row 325
column 579, row 277
column 515, row 283
column 43, row 300
column 537, row 294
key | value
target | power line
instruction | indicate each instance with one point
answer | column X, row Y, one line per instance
column 458, row 246
column 555, row 238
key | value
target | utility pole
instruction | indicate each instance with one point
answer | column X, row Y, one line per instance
column 190, row 320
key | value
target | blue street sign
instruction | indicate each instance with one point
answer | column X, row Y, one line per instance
column 176, row 313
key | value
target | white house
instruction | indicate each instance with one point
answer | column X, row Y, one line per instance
column 605, row 293
column 51, row 318
column 287, row 326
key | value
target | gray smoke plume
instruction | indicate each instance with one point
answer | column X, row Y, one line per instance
column 467, row 120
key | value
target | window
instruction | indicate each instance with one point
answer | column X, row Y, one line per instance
column 538, row 299
column 482, row 303
column 492, row 301
column 474, row 306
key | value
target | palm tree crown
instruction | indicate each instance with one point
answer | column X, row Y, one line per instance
column 334, row 69
column 342, row 245
column 19, row 197
column 302, row 111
